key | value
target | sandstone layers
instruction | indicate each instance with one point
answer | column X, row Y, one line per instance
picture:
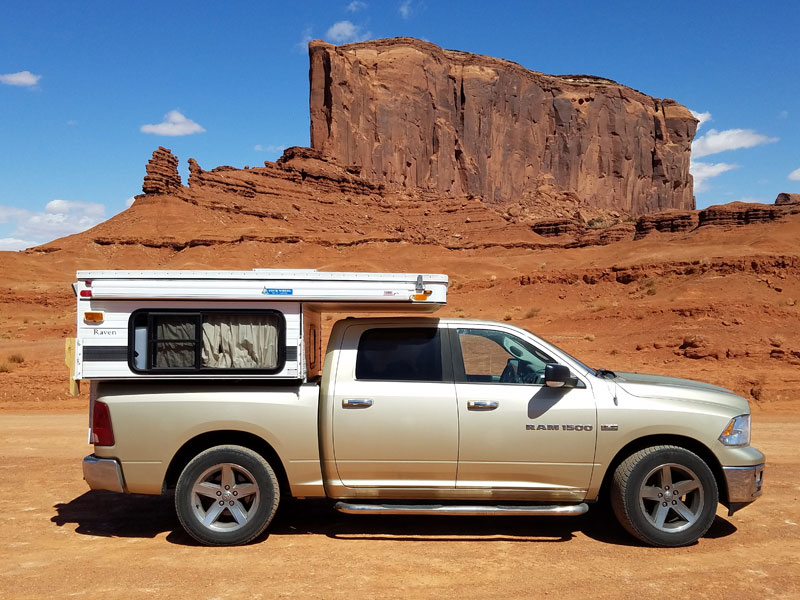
column 410, row 114
column 162, row 173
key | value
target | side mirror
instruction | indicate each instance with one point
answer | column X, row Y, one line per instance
column 556, row 376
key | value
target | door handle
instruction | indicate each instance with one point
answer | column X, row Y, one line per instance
column 482, row 405
column 356, row 403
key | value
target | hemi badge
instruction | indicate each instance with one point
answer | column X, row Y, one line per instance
column 609, row 427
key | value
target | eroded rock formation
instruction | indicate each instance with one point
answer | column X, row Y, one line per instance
column 671, row 221
column 785, row 198
column 410, row 114
column 162, row 173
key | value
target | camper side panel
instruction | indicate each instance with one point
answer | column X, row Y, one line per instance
column 103, row 347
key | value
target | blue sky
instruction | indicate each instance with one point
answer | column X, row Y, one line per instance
column 81, row 81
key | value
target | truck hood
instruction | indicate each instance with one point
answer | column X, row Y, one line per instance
column 659, row 386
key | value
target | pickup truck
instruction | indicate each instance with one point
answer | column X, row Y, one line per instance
column 419, row 415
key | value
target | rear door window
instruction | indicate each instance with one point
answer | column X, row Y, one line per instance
column 400, row 354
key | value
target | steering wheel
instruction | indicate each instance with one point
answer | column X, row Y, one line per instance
column 527, row 374
column 509, row 374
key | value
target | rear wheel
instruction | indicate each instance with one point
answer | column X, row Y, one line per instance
column 665, row 496
column 226, row 496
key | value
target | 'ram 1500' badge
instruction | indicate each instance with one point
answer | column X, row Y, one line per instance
column 541, row 427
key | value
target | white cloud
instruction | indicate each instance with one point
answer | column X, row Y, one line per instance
column 356, row 6
column 702, row 172
column 795, row 175
column 405, row 9
column 730, row 139
column 129, row 202
column 703, row 117
column 269, row 148
column 60, row 218
column 14, row 244
column 88, row 209
column 23, row 78
column 175, row 123
column 302, row 45
column 11, row 213
column 344, row 32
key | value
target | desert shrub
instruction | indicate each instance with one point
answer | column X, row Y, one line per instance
column 4, row 368
column 16, row 358
column 507, row 317
column 532, row 312
column 589, row 337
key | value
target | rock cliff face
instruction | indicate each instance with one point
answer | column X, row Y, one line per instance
column 162, row 173
column 410, row 114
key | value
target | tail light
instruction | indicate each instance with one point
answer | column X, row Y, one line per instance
column 102, row 431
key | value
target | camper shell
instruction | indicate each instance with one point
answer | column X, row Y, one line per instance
column 203, row 324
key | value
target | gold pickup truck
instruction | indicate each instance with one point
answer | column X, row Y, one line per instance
column 418, row 415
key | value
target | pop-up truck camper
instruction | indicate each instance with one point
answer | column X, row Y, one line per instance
column 213, row 385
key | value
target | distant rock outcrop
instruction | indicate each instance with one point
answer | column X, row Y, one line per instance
column 786, row 198
column 412, row 115
column 740, row 213
column 670, row 221
column 162, row 173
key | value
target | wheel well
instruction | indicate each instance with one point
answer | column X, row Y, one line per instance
column 219, row 438
column 673, row 440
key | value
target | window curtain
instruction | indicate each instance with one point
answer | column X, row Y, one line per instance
column 175, row 342
column 240, row 341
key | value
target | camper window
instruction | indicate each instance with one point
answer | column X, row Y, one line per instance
column 191, row 341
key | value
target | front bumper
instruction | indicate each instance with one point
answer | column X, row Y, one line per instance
column 744, row 485
column 103, row 474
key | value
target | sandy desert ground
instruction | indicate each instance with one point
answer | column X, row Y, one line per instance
column 718, row 305
column 63, row 541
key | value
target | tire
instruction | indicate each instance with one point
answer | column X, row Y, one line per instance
column 226, row 496
column 665, row 496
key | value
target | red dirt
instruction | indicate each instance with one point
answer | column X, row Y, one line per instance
column 62, row 540
column 721, row 305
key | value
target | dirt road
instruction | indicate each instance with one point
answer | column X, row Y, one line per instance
column 64, row 541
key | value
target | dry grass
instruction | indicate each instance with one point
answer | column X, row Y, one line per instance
column 16, row 358
column 4, row 368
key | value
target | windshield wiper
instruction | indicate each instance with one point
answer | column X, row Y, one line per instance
column 605, row 374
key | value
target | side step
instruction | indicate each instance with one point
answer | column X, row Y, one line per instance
column 569, row 510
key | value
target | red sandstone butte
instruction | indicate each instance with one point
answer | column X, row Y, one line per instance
column 410, row 114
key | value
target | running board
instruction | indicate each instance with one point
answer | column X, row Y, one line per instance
column 570, row 510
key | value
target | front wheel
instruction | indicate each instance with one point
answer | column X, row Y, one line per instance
column 226, row 496
column 665, row 496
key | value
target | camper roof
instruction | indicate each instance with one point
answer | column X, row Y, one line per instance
column 301, row 285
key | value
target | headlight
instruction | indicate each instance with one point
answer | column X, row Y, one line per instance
column 737, row 433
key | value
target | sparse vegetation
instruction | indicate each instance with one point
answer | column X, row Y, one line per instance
column 589, row 337
column 4, row 368
column 508, row 317
column 596, row 223
column 16, row 358
column 614, row 352
column 532, row 312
